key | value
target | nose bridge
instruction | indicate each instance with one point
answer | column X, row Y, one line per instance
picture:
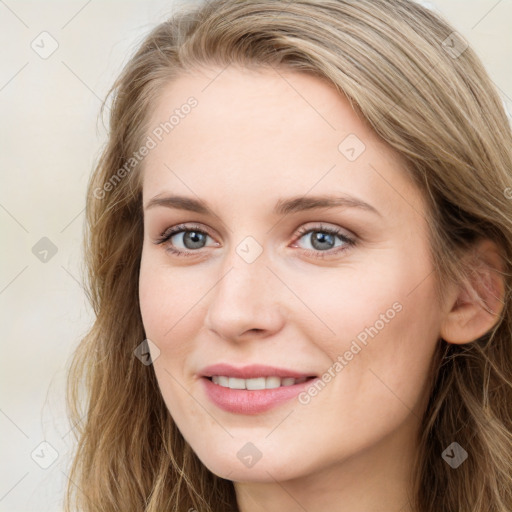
column 244, row 297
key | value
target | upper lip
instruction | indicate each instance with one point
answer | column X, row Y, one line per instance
column 251, row 371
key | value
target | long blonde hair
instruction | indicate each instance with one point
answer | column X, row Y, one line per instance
column 427, row 95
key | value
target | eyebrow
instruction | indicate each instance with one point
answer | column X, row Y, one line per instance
column 282, row 207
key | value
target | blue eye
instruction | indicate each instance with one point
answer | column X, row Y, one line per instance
column 192, row 236
column 322, row 239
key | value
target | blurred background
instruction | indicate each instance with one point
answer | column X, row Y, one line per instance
column 57, row 63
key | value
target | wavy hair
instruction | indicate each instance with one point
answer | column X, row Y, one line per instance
column 427, row 95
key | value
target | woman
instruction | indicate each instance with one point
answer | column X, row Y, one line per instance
column 299, row 257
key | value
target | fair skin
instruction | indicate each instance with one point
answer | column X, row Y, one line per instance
column 254, row 138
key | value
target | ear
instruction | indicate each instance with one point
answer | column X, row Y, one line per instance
column 476, row 305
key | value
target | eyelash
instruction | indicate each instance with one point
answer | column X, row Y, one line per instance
column 169, row 233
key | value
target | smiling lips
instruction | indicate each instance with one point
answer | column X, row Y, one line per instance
column 251, row 371
column 252, row 389
column 255, row 383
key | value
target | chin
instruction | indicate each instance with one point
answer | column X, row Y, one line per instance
column 265, row 469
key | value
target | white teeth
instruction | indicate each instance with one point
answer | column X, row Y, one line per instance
column 255, row 383
column 222, row 381
column 235, row 383
column 272, row 382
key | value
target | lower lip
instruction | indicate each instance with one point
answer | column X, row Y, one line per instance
column 243, row 401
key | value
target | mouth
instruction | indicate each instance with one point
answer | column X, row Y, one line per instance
column 257, row 383
column 254, row 395
column 253, row 389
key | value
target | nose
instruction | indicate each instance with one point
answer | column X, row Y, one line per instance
column 246, row 301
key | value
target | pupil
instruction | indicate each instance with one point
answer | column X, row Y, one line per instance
column 195, row 238
column 325, row 238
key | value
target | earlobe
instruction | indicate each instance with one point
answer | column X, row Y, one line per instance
column 479, row 301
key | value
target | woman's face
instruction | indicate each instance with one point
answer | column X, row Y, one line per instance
column 267, row 274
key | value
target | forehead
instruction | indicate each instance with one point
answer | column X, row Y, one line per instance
column 266, row 131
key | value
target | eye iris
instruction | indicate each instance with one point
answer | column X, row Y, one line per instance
column 194, row 237
column 320, row 237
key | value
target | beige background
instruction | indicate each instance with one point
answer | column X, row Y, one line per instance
column 50, row 136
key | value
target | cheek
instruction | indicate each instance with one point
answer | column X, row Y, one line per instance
column 153, row 299
column 168, row 320
column 165, row 305
column 173, row 306
column 360, row 305
column 386, row 353
column 386, row 326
